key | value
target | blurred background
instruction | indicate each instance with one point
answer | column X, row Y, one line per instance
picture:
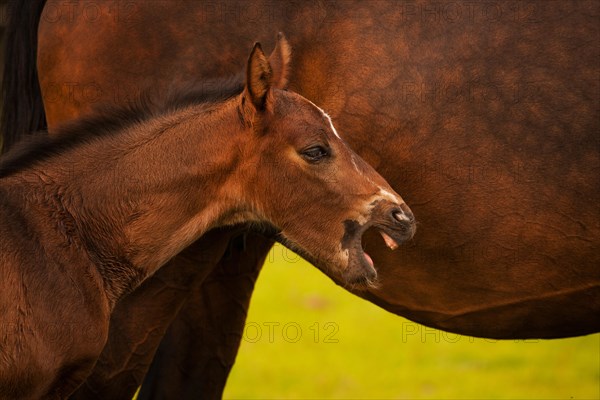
column 306, row 338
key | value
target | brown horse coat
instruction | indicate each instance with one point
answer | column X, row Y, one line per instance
column 486, row 117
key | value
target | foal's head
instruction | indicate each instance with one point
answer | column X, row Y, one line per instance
column 305, row 180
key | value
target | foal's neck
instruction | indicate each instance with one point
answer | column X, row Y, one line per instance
column 141, row 196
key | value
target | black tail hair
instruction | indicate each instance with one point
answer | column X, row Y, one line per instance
column 23, row 109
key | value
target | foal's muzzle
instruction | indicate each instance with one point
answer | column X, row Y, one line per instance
column 396, row 222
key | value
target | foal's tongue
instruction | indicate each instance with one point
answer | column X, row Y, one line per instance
column 369, row 259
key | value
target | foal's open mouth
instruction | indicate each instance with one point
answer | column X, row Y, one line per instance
column 391, row 243
column 361, row 271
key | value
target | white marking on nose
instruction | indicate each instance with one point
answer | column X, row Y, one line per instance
column 344, row 257
column 353, row 158
column 387, row 195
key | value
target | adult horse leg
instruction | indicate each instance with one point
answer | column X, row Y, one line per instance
column 201, row 344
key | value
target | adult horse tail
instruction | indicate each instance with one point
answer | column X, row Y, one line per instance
column 23, row 109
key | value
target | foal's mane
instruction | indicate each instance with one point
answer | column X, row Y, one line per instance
column 110, row 120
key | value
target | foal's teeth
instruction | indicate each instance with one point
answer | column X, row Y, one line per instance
column 391, row 243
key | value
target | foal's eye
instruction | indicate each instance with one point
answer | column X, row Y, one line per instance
column 314, row 154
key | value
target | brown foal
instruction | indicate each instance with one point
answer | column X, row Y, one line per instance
column 86, row 218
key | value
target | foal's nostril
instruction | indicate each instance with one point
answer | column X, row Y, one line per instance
column 399, row 215
column 402, row 215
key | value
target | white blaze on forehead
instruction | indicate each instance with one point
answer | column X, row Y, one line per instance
column 335, row 132
column 327, row 117
column 382, row 192
column 330, row 123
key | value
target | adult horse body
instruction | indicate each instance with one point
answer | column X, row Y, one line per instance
column 485, row 115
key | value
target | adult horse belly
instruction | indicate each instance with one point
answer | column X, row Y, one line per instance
column 485, row 122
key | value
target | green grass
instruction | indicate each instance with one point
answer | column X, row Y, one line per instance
column 349, row 348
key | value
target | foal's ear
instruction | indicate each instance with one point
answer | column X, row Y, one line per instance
column 280, row 62
column 258, row 77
